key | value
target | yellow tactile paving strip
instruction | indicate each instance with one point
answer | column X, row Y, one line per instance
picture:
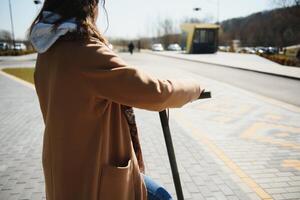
column 222, row 156
column 292, row 164
column 253, row 133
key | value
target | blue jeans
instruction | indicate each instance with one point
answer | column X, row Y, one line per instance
column 155, row 191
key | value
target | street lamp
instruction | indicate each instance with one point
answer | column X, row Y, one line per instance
column 196, row 9
column 217, row 2
column 218, row 18
column 37, row 2
column 12, row 24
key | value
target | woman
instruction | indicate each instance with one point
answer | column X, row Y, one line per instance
column 91, row 149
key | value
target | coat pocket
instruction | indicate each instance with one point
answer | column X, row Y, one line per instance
column 117, row 183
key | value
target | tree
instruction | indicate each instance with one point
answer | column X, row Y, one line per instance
column 279, row 27
column 165, row 31
column 5, row 36
column 207, row 19
column 286, row 3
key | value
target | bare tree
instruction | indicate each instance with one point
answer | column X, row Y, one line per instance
column 5, row 36
column 207, row 19
column 166, row 27
column 165, row 31
column 286, row 3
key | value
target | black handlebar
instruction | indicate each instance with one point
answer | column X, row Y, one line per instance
column 205, row 95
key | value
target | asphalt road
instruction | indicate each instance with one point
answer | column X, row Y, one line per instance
column 275, row 87
column 17, row 61
column 279, row 88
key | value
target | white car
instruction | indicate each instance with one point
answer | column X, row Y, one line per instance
column 157, row 47
column 3, row 46
column 224, row 48
column 19, row 46
column 174, row 47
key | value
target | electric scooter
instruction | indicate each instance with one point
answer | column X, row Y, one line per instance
column 171, row 154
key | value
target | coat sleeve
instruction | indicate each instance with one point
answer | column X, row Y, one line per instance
column 111, row 78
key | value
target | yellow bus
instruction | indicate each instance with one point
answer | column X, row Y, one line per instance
column 200, row 38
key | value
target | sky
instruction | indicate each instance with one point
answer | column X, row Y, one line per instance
column 137, row 18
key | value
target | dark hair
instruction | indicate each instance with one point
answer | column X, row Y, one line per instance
column 82, row 10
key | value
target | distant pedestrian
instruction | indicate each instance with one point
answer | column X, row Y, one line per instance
column 91, row 147
column 131, row 47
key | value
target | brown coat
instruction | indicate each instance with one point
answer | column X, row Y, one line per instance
column 87, row 150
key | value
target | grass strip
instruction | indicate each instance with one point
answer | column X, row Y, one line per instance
column 23, row 73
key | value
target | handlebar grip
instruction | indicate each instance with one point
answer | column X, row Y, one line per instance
column 205, row 95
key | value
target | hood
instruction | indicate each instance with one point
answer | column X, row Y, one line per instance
column 43, row 34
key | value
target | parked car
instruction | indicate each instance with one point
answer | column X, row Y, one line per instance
column 174, row 47
column 249, row 50
column 157, row 47
column 19, row 46
column 4, row 46
column 267, row 50
column 224, row 48
column 260, row 50
column 272, row 50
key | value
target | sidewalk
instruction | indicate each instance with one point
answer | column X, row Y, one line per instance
column 236, row 60
column 21, row 175
column 236, row 145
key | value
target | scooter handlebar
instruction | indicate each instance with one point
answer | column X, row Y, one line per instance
column 205, row 95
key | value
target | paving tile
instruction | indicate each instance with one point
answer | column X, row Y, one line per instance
column 293, row 189
column 276, row 191
column 213, row 157
column 294, row 183
column 278, row 197
column 294, row 195
column 226, row 190
column 254, row 196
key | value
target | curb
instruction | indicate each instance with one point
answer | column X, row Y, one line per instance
column 222, row 65
column 17, row 79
